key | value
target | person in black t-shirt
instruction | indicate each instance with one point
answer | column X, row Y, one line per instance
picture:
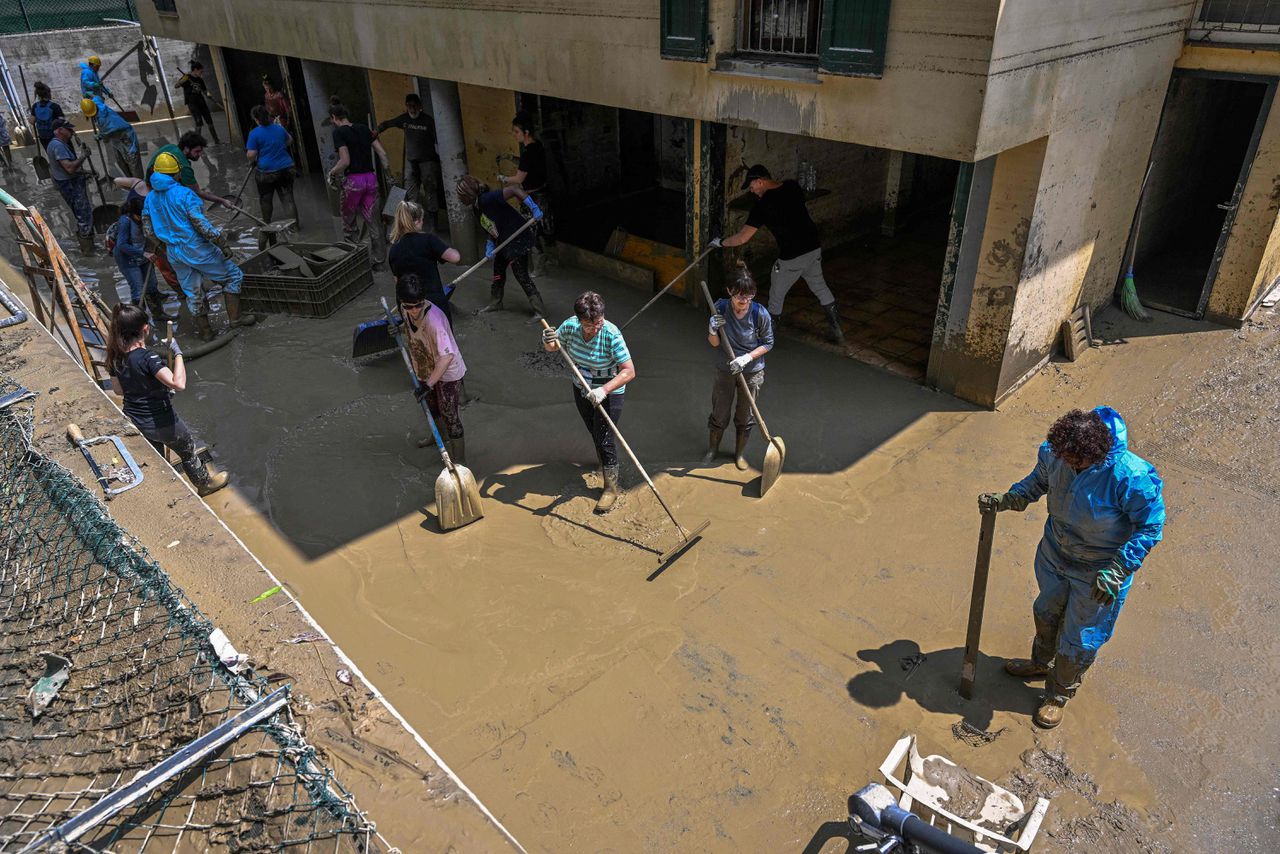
column 781, row 209
column 144, row 381
column 531, row 176
column 418, row 252
column 422, row 163
column 472, row 192
column 361, row 206
column 195, row 91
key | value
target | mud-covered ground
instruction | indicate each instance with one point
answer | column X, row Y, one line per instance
column 733, row 699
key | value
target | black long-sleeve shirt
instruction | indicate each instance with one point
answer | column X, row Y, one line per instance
column 419, row 135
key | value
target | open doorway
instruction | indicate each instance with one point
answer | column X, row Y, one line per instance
column 1204, row 148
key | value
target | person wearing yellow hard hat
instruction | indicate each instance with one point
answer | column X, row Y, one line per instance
column 190, row 148
column 174, row 215
column 90, row 83
column 110, row 127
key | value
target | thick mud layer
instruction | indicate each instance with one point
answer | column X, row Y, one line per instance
column 732, row 699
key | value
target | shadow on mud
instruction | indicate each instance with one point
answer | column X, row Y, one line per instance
column 931, row 682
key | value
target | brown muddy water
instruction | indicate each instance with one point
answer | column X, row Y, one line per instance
column 733, row 699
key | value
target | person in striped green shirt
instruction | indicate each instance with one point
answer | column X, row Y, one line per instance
column 596, row 346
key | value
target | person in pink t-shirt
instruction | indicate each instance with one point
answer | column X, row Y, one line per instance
column 437, row 361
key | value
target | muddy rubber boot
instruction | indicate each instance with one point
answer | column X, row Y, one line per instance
column 539, row 307
column 713, row 447
column 203, row 330
column 739, row 448
column 86, row 244
column 205, row 482
column 833, row 318
column 232, row 303
column 155, row 305
column 495, row 301
column 1050, row 713
column 458, row 451
column 610, row 495
column 1025, row 668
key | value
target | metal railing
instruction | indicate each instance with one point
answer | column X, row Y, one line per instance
column 33, row 16
column 1236, row 20
column 779, row 28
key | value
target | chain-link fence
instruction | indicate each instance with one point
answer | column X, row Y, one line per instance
column 32, row 16
column 110, row 690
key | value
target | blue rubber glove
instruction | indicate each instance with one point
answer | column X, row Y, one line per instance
column 533, row 207
column 1107, row 584
column 488, row 249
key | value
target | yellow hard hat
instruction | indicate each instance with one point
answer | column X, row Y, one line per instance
column 88, row 107
column 166, row 164
column 93, row 60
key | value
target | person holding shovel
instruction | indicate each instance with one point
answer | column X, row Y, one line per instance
column 415, row 252
column 130, row 253
column 44, row 110
column 145, row 382
column 597, row 347
column 110, row 127
column 750, row 332
column 267, row 149
column 195, row 92
column 1106, row 513
column 472, row 192
column 69, row 178
column 174, row 216
column 189, row 149
column 91, row 85
column 437, row 362
column 422, row 163
column 137, row 188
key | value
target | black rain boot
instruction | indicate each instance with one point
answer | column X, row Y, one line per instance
column 86, row 244
column 539, row 307
column 203, row 330
column 495, row 300
column 458, row 451
column 155, row 304
column 713, row 447
column 609, row 496
column 740, row 447
column 232, row 303
column 833, row 318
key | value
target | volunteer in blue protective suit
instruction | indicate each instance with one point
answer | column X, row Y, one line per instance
column 198, row 252
column 91, row 84
column 1106, row 513
column 112, row 129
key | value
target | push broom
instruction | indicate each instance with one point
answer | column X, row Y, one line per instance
column 1128, row 289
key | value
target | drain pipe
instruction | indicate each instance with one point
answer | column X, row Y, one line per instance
column 447, row 111
column 15, row 308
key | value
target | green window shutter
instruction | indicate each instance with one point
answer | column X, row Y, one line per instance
column 853, row 37
column 684, row 29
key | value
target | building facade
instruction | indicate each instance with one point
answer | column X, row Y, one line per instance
column 977, row 167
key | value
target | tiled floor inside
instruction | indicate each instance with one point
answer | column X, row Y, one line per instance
column 887, row 292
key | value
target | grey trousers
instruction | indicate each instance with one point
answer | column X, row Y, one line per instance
column 785, row 273
column 723, row 392
column 119, row 143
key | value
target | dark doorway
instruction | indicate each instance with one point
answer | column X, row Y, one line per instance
column 1201, row 158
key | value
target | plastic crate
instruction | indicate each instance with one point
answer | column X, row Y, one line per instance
column 333, row 287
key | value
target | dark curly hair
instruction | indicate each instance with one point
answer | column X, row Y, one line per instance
column 1081, row 435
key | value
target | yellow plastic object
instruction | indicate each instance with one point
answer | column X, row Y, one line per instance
column 95, row 61
column 167, row 164
column 88, row 107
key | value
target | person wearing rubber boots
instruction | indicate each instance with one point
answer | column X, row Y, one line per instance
column 472, row 192
column 437, row 362
column 1106, row 513
column 597, row 347
column 361, row 202
column 780, row 207
column 174, row 215
column 195, row 93
column 190, row 148
column 110, row 127
column 422, row 163
column 750, row 332
column 69, row 178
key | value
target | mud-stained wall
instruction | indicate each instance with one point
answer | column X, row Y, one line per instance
column 486, row 126
column 1251, row 258
column 607, row 52
column 55, row 57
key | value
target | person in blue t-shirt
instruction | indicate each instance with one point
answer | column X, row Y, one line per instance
column 268, row 149
column 750, row 332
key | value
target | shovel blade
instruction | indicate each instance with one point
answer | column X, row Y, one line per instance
column 774, row 456
column 457, row 498
column 370, row 337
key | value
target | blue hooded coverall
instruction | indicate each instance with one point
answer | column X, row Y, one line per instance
column 90, row 83
column 1112, row 510
column 120, row 135
column 176, row 216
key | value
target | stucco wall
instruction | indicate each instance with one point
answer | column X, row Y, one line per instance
column 55, row 56
column 606, row 52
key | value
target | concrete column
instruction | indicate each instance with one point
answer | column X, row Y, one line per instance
column 446, row 109
column 976, row 359
column 704, row 206
column 286, row 82
column 318, row 101
column 892, row 183
column 234, row 131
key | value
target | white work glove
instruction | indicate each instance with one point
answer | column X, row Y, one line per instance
column 715, row 243
column 550, row 336
column 597, row 395
column 717, row 321
column 736, row 365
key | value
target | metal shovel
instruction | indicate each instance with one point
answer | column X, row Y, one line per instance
column 776, row 452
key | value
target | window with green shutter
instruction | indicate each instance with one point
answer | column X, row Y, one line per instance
column 853, row 37
column 684, row 29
